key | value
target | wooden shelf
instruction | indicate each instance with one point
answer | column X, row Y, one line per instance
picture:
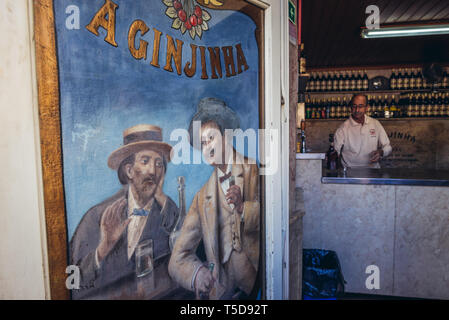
column 387, row 119
column 382, row 91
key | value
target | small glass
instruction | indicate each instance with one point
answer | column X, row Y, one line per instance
column 144, row 258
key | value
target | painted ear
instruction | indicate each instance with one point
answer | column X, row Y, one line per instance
column 129, row 171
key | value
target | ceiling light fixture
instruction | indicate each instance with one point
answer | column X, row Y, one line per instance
column 406, row 31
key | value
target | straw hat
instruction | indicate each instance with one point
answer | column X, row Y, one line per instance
column 137, row 138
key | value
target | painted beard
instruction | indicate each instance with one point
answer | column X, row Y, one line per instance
column 145, row 188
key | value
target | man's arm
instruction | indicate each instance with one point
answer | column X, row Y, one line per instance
column 384, row 142
column 82, row 253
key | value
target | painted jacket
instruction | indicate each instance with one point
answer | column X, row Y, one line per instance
column 116, row 276
column 201, row 223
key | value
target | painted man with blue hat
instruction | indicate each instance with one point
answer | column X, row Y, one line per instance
column 224, row 214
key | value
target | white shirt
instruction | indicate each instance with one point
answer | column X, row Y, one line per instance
column 225, row 185
column 137, row 224
column 360, row 140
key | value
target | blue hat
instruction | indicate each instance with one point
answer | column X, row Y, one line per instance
column 216, row 110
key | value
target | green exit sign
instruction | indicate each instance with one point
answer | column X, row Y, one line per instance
column 291, row 12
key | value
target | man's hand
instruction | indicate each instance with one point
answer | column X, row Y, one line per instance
column 111, row 227
column 376, row 155
column 234, row 195
column 204, row 281
column 159, row 194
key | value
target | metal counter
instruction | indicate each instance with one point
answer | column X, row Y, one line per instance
column 388, row 176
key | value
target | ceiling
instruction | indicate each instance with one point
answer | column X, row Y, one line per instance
column 331, row 33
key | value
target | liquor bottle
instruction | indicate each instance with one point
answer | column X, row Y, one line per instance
column 359, row 81
column 339, row 110
column 328, row 109
column 445, row 105
column 370, row 109
column 323, row 109
column 317, row 82
column 335, row 81
column 406, row 80
column 412, row 80
column 435, row 105
column 353, row 81
column 387, row 113
column 332, row 157
column 323, row 83
column 393, row 80
column 347, row 81
column 419, row 80
column 308, row 109
column 303, row 136
column 302, row 60
column 440, row 105
column 427, row 106
column 393, row 108
column 333, row 111
column 399, row 80
column 341, row 82
column 309, row 83
column 365, row 81
column 174, row 235
column 425, row 83
column 329, row 81
column 420, row 103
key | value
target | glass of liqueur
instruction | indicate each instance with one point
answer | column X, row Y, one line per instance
column 144, row 258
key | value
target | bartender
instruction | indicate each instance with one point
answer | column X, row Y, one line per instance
column 361, row 141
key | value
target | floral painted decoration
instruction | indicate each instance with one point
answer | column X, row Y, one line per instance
column 188, row 16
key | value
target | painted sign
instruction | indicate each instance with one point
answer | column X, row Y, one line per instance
column 160, row 203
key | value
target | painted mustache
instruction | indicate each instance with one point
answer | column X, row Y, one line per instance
column 150, row 180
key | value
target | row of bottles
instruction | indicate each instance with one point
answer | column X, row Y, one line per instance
column 338, row 81
column 412, row 79
column 430, row 105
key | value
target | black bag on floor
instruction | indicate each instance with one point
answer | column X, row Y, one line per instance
column 321, row 276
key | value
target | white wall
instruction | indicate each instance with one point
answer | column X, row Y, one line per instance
column 22, row 249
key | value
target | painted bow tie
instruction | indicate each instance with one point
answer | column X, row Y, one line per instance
column 140, row 212
column 225, row 177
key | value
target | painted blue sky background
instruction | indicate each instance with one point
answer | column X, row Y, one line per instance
column 104, row 90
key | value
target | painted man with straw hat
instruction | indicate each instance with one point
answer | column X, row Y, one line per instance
column 139, row 218
column 224, row 214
